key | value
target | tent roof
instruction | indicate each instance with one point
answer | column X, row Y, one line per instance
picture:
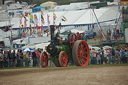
column 49, row 2
column 75, row 18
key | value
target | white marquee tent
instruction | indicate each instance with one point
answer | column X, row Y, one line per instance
column 75, row 18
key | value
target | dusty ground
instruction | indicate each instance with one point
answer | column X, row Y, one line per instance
column 90, row 75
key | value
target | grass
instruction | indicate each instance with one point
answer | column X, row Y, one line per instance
column 105, row 65
column 126, row 64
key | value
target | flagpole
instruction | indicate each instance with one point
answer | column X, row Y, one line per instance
column 9, row 23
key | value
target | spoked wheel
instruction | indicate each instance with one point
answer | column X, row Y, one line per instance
column 63, row 59
column 44, row 59
column 79, row 36
column 81, row 53
column 73, row 38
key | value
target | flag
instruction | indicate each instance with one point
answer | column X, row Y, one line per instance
column 20, row 20
column 64, row 18
column 25, row 33
column 41, row 30
column 37, row 27
column 26, row 14
column 54, row 18
column 31, row 30
column 47, row 31
column 15, row 6
column 48, row 19
column 25, row 20
column 42, row 18
column 31, row 18
column 35, row 19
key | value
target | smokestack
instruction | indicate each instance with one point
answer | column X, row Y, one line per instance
column 52, row 32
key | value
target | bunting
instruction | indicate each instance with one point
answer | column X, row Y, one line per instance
column 54, row 18
column 35, row 19
column 37, row 27
column 31, row 18
column 42, row 22
column 41, row 30
column 64, row 18
column 48, row 19
column 42, row 18
column 31, row 29
column 20, row 20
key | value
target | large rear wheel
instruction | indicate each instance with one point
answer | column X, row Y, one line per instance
column 73, row 39
column 80, row 53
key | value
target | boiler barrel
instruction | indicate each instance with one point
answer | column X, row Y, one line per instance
column 62, row 48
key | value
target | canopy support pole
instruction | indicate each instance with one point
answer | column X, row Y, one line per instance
column 98, row 22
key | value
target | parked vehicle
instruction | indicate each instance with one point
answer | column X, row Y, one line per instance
column 90, row 34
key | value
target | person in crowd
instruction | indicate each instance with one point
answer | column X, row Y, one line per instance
column 127, row 56
column 105, row 57
column 6, row 59
column 34, row 58
column 90, row 57
column 109, row 32
column 18, row 58
column 113, row 33
column 117, row 31
column 37, row 57
column 85, row 38
column 21, row 58
column 26, row 58
column 102, row 55
column 39, row 50
column 79, row 36
column 94, row 53
column 120, row 57
column 10, row 58
column 123, row 55
column 1, row 59
column 120, row 33
column 98, row 57
column 113, row 54
column 117, row 54
column 30, row 59
column 69, row 35
column 109, row 56
column 14, row 58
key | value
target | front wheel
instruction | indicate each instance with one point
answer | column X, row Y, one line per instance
column 44, row 59
column 63, row 59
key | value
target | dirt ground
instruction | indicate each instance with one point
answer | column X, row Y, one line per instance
column 90, row 75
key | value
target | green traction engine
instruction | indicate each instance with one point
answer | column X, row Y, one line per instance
column 61, row 52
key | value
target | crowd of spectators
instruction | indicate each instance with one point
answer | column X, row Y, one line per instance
column 19, row 58
column 109, row 56
column 31, row 59
column 114, row 34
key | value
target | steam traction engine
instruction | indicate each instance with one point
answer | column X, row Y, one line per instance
column 74, row 49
